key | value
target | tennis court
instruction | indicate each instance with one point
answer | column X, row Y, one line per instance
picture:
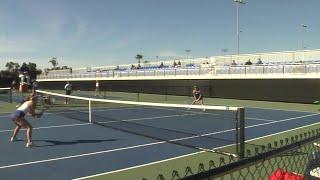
column 66, row 148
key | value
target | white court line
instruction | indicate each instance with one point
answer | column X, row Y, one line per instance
column 138, row 166
column 125, row 120
column 97, row 110
column 147, row 118
column 80, row 155
column 138, row 146
column 139, row 119
column 288, row 110
column 282, row 132
column 107, row 151
column 283, row 120
column 49, row 127
column 260, row 119
column 59, row 111
column 186, row 155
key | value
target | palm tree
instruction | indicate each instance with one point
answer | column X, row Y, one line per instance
column 54, row 62
column 138, row 58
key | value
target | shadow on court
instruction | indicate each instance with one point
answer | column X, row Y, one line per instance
column 59, row 143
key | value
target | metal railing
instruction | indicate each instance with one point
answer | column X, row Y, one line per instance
column 265, row 69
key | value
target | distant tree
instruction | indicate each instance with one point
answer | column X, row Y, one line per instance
column 12, row 66
column 138, row 58
column 24, row 68
column 145, row 62
column 33, row 71
column 9, row 66
column 55, row 66
column 12, row 72
column 53, row 62
column 6, row 78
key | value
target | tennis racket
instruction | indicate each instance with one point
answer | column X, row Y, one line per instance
column 42, row 105
column 189, row 100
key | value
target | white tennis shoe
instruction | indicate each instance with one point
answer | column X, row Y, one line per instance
column 29, row 144
column 12, row 139
column 316, row 144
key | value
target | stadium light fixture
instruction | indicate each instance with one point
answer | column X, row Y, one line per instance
column 238, row 2
column 188, row 51
column 303, row 28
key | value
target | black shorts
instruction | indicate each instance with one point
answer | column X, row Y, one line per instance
column 68, row 92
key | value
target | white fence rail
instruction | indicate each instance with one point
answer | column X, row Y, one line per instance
column 196, row 71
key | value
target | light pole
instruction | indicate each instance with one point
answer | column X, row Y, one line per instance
column 224, row 51
column 238, row 2
column 303, row 27
column 188, row 51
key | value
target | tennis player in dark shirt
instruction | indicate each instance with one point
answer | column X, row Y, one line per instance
column 197, row 96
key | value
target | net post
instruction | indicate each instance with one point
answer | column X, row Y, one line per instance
column 242, row 132
column 10, row 95
column 90, row 116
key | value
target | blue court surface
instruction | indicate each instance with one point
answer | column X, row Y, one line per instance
column 66, row 148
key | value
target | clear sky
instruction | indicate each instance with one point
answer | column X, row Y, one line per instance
column 105, row 32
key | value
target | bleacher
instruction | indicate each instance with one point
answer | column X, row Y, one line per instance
column 307, row 61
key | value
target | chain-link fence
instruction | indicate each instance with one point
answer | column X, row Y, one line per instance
column 299, row 155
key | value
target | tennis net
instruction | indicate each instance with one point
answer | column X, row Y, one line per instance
column 218, row 129
column 6, row 95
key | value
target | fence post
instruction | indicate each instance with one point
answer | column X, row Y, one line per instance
column 242, row 132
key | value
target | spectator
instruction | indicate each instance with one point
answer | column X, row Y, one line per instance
column 206, row 62
column 233, row 63
column 248, row 62
column 68, row 88
column 259, row 61
column 175, row 64
column 161, row 65
column 179, row 63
